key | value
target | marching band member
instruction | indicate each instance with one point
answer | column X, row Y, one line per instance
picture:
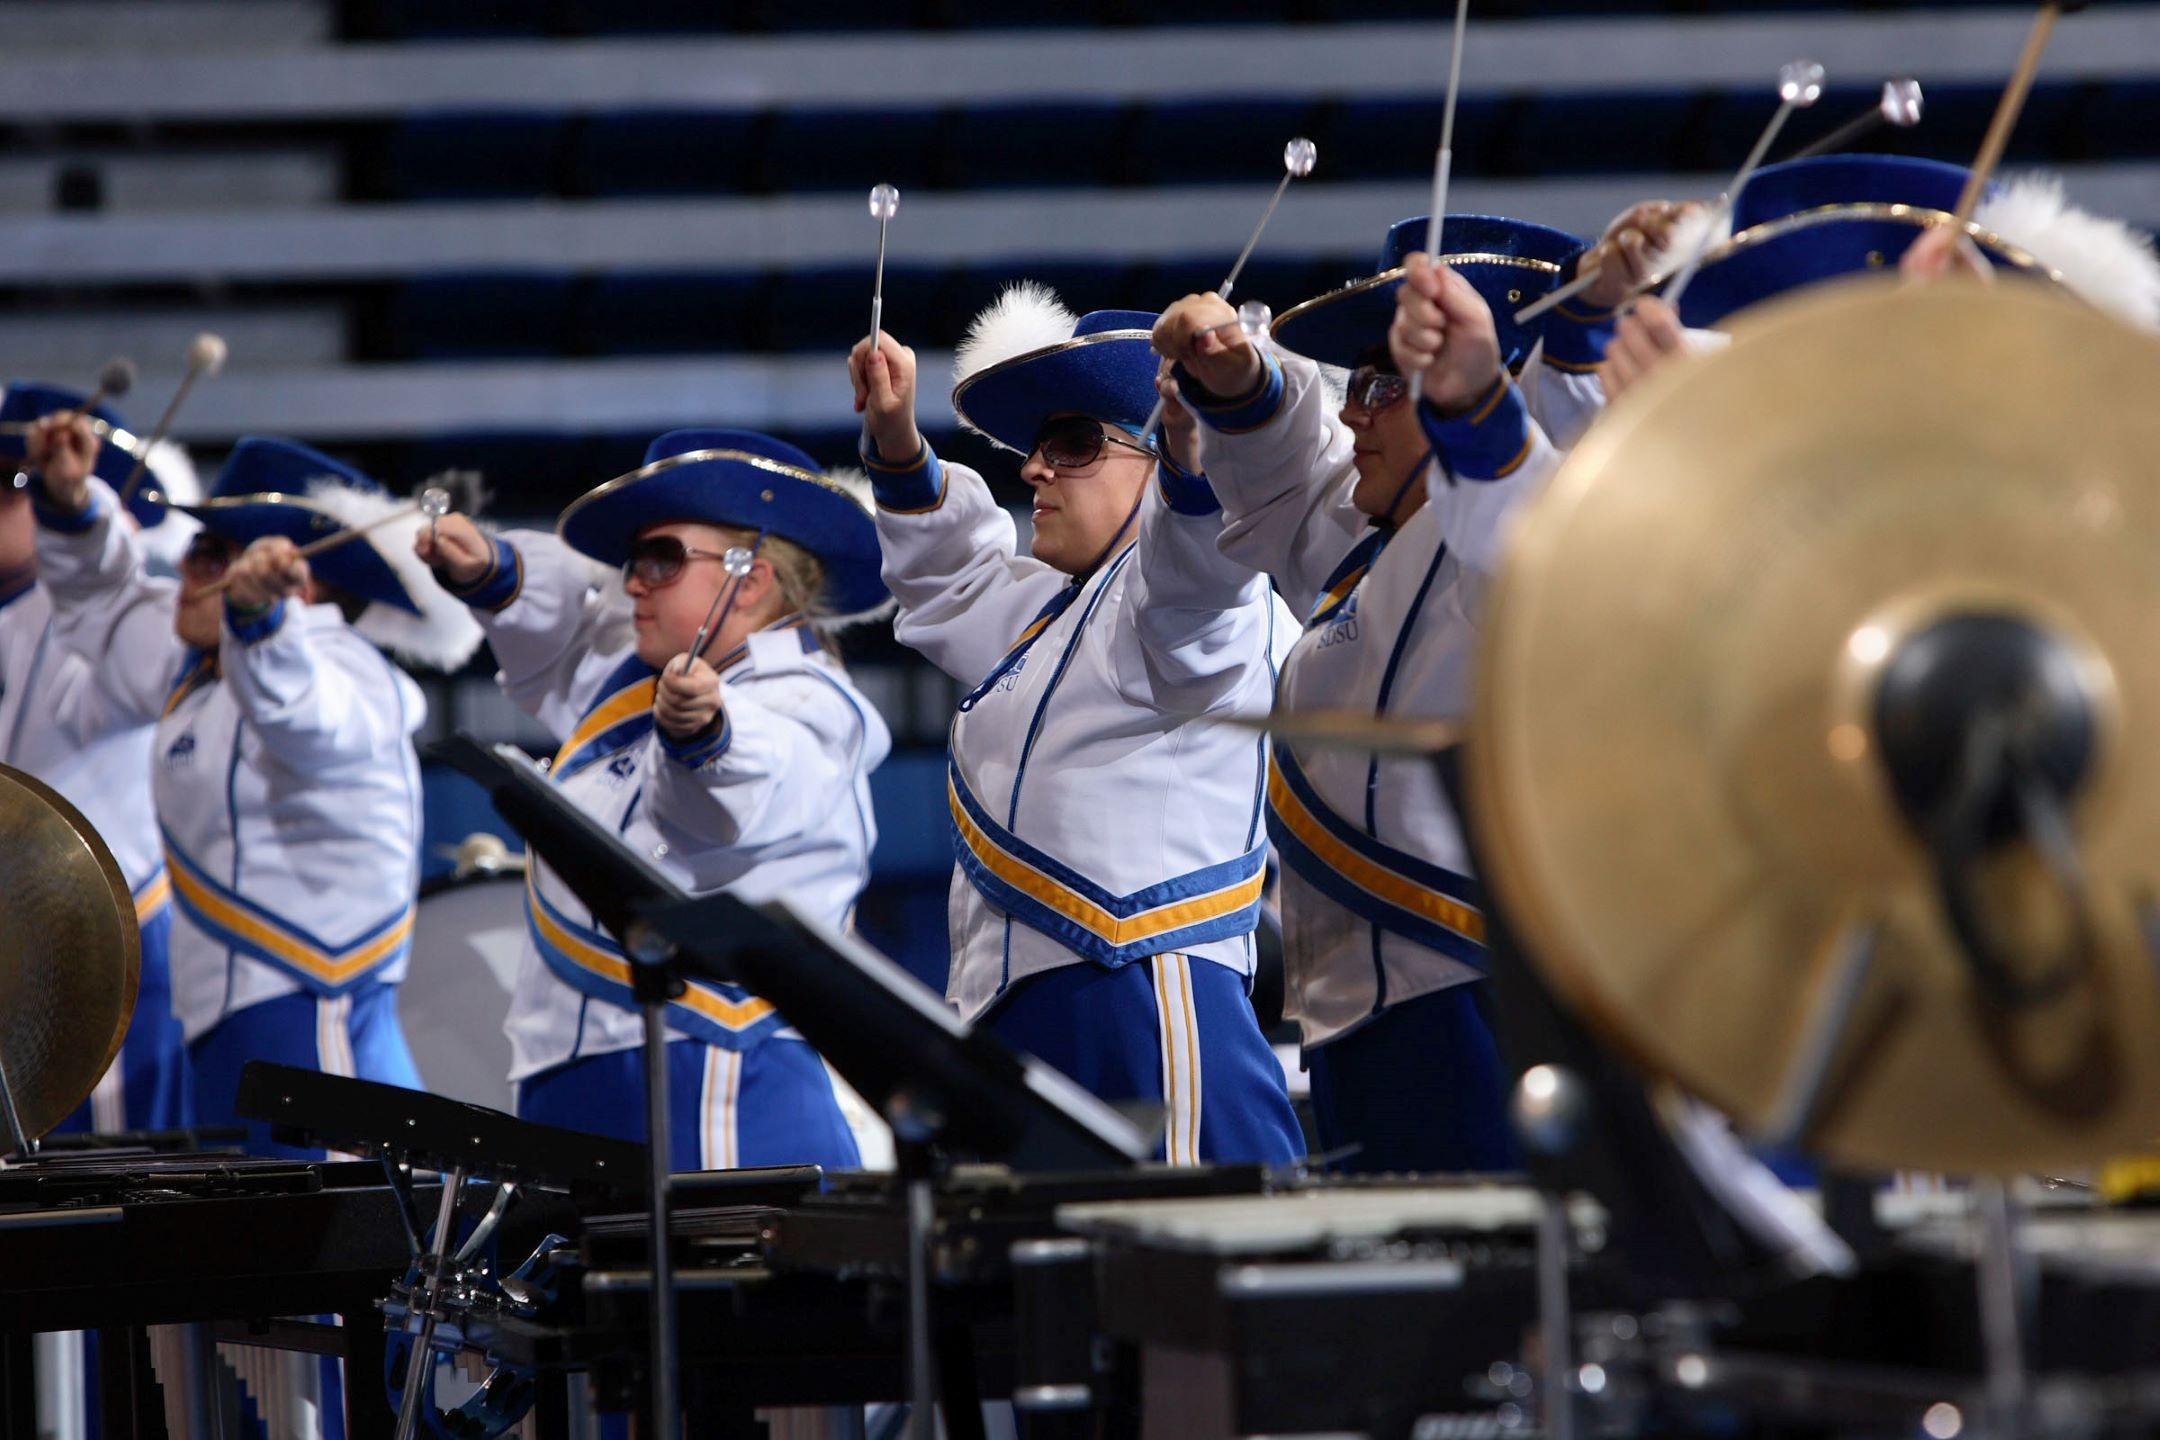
column 287, row 791
column 59, row 724
column 1808, row 221
column 1386, row 553
column 744, row 768
column 1109, row 843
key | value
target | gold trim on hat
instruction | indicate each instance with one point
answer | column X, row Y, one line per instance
column 126, row 439
column 1921, row 216
column 264, row 497
column 1390, row 277
column 1078, row 341
column 691, row 457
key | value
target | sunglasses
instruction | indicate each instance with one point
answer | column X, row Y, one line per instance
column 206, row 559
column 1373, row 389
column 1075, row 442
column 657, row 561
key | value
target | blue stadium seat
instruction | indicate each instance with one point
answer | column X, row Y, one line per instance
column 1600, row 134
column 661, row 313
column 850, row 149
column 1228, row 141
column 1393, row 138
column 451, row 155
column 827, row 307
column 993, row 146
column 664, row 152
column 477, row 315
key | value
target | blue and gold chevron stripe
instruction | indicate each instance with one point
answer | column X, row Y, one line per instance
column 1215, row 903
column 593, row 965
column 324, row 968
column 1398, row 892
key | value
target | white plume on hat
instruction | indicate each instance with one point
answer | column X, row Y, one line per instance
column 1027, row 317
column 444, row 635
column 2106, row 262
column 171, row 473
column 1700, row 228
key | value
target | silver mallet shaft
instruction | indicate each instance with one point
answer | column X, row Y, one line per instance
column 427, row 505
column 1799, row 86
column 1299, row 156
column 1559, row 297
column 1444, row 161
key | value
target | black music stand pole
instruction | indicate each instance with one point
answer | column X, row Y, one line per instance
column 652, row 985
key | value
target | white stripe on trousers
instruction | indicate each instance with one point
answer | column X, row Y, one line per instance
column 333, row 1044
column 1177, row 1022
column 719, row 1144
column 108, row 1103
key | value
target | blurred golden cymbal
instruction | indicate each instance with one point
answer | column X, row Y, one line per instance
column 70, row 953
column 1676, row 763
column 1353, row 730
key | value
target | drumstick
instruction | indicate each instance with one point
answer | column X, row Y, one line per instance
column 884, row 204
column 115, row 380
column 1901, row 105
column 737, row 562
column 1800, row 85
column 1444, row 158
column 1299, row 157
column 2011, row 106
column 433, row 503
column 205, row 356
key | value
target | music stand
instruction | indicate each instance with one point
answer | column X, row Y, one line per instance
column 616, row 884
column 943, row 1086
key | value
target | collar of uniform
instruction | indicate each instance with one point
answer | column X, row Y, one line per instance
column 779, row 646
column 11, row 592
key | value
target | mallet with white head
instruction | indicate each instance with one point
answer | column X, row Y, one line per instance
column 1299, row 157
column 1901, row 105
column 205, row 356
column 1800, row 85
column 884, row 204
column 736, row 560
column 434, row 503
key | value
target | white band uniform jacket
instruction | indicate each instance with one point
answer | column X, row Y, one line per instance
column 774, row 805
column 1378, row 902
column 285, row 783
column 1095, row 821
column 59, row 724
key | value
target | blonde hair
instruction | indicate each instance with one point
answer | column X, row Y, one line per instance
column 799, row 575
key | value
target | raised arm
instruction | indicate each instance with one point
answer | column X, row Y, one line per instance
column 1200, row 617
column 1273, row 456
column 107, row 607
column 548, row 618
column 951, row 552
column 1490, row 452
column 1562, row 383
column 318, row 695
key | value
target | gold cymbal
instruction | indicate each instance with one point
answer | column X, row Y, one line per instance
column 70, row 953
column 1674, row 764
column 1353, row 730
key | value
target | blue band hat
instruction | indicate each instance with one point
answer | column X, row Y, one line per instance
column 1104, row 370
column 1510, row 262
column 276, row 487
column 29, row 400
column 1807, row 221
column 746, row 481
